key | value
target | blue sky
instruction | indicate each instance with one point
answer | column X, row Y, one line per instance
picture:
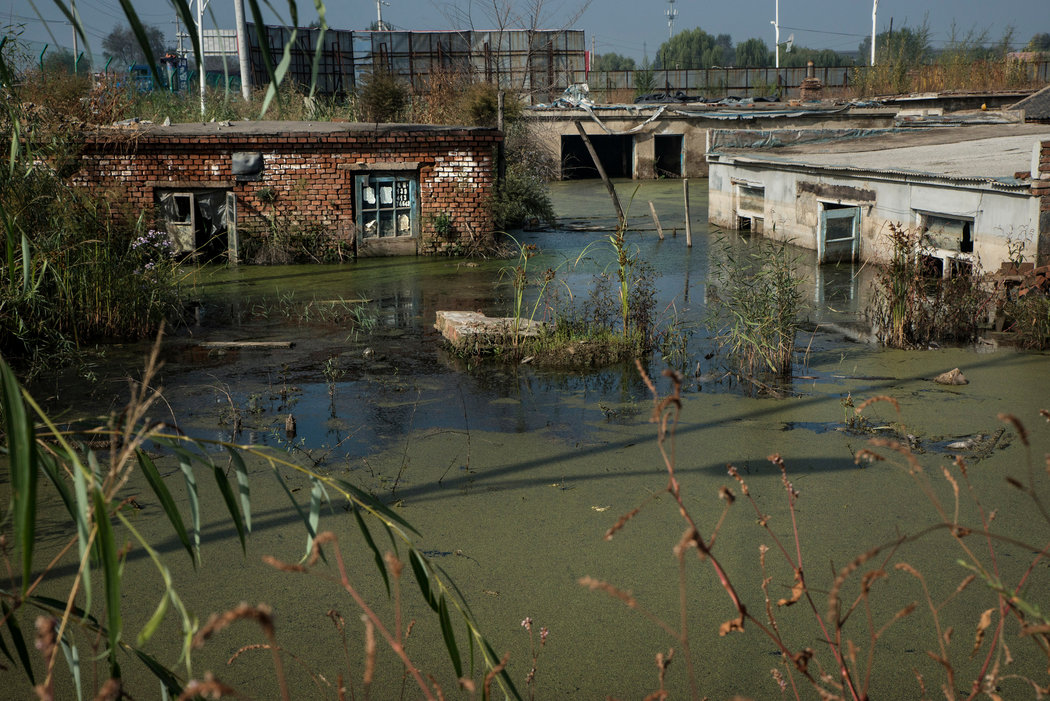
column 628, row 27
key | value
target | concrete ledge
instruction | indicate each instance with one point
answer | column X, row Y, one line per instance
column 473, row 331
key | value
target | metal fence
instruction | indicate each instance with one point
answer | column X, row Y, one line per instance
column 623, row 86
column 537, row 63
column 540, row 65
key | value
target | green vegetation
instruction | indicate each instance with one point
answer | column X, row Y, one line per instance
column 913, row 304
column 696, row 49
column 905, row 61
column 756, row 305
column 98, row 491
column 612, row 62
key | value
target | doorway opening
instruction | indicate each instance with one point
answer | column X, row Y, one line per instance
column 616, row 154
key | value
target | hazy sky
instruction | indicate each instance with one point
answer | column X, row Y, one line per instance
column 625, row 26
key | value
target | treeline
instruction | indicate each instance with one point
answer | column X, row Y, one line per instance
column 696, row 49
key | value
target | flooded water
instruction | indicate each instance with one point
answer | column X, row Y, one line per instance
column 512, row 474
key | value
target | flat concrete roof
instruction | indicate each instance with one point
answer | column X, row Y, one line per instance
column 984, row 152
column 267, row 128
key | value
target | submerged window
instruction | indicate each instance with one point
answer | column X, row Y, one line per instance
column 839, row 233
column 386, row 206
column 751, row 199
column 948, row 233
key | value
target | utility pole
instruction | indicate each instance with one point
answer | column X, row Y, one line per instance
column 874, row 11
column 179, row 33
column 200, row 39
column 242, row 49
column 776, row 32
column 379, row 15
column 73, row 7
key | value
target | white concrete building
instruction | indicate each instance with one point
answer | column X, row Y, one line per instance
column 969, row 188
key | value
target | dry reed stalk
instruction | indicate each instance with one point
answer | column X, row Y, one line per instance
column 261, row 614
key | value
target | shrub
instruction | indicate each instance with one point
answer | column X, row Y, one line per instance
column 756, row 306
column 912, row 306
column 383, row 98
column 521, row 199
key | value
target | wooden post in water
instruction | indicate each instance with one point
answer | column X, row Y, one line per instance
column 656, row 220
column 601, row 171
column 688, row 225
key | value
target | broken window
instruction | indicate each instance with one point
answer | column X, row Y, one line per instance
column 948, row 233
column 839, row 236
column 751, row 199
column 386, row 206
column 196, row 220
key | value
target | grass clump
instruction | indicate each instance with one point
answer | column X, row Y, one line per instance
column 756, row 304
column 912, row 306
column 74, row 274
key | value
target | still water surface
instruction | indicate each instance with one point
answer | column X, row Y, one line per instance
column 512, row 473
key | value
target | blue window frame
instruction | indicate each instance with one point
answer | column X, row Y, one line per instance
column 386, row 205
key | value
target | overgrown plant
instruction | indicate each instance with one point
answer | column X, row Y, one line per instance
column 840, row 662
column 756, row 305
column 913, row 305
column 71, row 274
column 97, row 498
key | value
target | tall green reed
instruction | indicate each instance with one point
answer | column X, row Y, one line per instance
column 756, row 305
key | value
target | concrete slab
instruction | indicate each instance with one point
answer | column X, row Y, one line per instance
column 985, row 152
column 475, row 332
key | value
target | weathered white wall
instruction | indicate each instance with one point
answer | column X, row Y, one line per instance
column 791, row 209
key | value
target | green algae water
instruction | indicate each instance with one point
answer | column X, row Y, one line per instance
column 513, row 475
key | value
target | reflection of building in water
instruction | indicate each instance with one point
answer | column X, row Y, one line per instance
column 973, row 191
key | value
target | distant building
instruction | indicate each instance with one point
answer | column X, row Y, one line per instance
column 218, row 188
column 974, row 192
column 539, row 64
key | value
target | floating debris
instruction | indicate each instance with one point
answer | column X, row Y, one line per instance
column 952, row 377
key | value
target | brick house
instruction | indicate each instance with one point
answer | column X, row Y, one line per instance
column 382, row 189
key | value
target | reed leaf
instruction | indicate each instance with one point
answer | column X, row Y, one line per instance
column 186, row 465
column 82, row 516
column 167, row 503
column 231, row 505
column 18, row 640
column 267, row 58
column 316, row 495
column 168, row 680
column 422, row 574
column 72, row 655
column 243, row 488
column 140, row 35
column 450, row 636
column 311, row 530
column 372, row 504
column 183, row 11
column 21, row 447
column 376, row 555
column 107, row 546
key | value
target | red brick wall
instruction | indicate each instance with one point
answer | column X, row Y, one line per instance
column 309, row 168
column 1041, row 189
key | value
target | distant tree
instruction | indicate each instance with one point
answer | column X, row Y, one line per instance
column 695, row 48
column 800, row 56
column 60, row 61
column 612, row 62
column 122, row 44
column 904, row 45
column 1039, row 42
column 753, row 53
